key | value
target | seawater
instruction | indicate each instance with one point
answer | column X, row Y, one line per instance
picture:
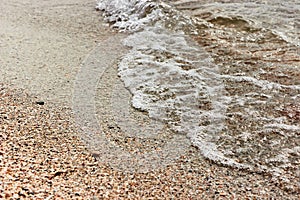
column 224, row 73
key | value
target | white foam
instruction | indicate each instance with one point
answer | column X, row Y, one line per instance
column 264, row 84
column 130, row 14
column 283, row 127
column 177, row 82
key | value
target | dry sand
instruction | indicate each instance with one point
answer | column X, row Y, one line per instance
column 43, row 43
column 42, row 46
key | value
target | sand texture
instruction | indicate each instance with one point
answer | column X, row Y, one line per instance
column 46, row 122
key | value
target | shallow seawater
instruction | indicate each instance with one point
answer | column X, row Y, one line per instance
column 224, row 73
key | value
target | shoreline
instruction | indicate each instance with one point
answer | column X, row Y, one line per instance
column 41, row 154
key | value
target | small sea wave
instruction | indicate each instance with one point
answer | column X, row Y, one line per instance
column 221, row 74
column 130, row 15
column 280, row 17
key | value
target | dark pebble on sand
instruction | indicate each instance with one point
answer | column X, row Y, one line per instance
column 40, row 103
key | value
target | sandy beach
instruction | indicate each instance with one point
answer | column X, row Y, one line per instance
column 43, row 47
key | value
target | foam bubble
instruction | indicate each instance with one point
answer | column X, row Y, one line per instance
column 130, row 15
column 175, row 81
